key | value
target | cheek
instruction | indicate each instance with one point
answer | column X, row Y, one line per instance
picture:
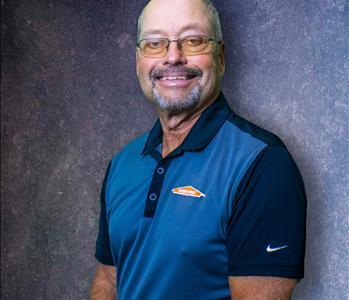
column 207, row 64
column 209, row 69
column 143, row 69
column 141, row 72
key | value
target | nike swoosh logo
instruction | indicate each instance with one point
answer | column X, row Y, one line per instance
column 269, row 249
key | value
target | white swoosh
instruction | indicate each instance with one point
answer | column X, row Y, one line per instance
column 269, row 249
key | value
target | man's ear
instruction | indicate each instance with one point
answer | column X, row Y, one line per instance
column 221, row 58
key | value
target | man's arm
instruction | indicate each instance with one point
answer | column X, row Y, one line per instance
column 261, row 288
column 266, row 237
column 103, row 285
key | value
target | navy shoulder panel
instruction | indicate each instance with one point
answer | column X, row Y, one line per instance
column 256, row 131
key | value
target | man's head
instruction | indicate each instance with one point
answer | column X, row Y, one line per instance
column 181, row 78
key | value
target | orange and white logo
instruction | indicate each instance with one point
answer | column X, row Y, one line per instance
column 188, row 191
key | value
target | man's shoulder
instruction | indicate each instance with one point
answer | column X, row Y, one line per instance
column 250, row 131
column 132, row 149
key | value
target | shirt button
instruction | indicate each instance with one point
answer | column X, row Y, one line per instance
column 152, row 196
column 160, row 170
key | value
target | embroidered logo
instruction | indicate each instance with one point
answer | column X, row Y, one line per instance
column 188, row 191
column 270, row 249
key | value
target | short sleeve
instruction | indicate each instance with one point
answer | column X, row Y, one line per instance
column 266, row 230
column 103, row 252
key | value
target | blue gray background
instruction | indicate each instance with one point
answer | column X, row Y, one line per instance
column 70, row 100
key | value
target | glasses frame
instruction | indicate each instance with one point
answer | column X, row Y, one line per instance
column 179, row 44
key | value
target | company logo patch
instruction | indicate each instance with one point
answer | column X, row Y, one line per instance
column 188, row 191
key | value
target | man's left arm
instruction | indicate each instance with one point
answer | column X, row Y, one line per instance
column 261, row 288
column 266, row 232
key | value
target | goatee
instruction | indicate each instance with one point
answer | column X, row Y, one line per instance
column 176, row 105
column 180, row 104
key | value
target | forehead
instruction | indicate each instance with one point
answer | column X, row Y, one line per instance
column 174, row 17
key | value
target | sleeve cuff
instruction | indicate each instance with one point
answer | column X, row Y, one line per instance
column 105, row 260
column 267, row 270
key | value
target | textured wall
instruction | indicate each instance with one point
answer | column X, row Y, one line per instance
column 70, row 100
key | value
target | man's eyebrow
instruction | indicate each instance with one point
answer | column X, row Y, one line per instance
column 195, row 26
column 153, row 31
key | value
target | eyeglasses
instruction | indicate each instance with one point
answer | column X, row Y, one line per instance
column 190, row 45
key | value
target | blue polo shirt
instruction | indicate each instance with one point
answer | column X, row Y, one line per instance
column 229, row 201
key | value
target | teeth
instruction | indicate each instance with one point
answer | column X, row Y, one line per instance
column 173, row 78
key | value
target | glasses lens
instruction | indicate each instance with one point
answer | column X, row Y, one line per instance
column 195, row 45
column 191, row 45
column 153, row 47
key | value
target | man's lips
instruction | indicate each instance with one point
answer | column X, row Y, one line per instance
column 175, row 77
column 172, row 75
column 175, row 80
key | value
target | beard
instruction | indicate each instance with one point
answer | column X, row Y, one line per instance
column 179, row 104
column 176, row 105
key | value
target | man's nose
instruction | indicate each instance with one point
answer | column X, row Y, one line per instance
column 174, row 55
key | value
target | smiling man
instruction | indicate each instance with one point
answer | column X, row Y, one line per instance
column 206, row 205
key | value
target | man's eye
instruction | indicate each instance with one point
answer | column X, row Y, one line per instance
column 194, row 42
column 153, row 45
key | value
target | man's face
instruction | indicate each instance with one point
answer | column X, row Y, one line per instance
column 177, row 82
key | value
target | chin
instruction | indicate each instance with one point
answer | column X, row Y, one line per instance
column 178, row 102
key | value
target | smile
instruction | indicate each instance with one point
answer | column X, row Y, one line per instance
column 185, row 77
column 176, row 77
column 176, row 80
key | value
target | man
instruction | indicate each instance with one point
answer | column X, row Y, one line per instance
column 206, row 205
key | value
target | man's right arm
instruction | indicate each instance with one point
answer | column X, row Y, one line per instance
column 103, row 286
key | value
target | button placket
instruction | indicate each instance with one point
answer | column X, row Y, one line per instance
column 155, row 187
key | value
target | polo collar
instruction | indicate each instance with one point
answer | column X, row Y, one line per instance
column 203, row 131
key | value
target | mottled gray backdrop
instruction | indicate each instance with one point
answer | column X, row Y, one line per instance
column 70, row 100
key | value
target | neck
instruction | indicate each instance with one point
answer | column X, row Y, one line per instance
column 176, row 127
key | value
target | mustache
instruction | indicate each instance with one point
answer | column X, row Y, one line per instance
column 159, row 72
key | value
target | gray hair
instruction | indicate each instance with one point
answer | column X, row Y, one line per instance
column 216, row 24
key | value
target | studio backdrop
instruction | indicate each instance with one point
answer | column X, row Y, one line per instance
column 71, row 100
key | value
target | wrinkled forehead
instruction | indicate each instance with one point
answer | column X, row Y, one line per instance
column 176, row 17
